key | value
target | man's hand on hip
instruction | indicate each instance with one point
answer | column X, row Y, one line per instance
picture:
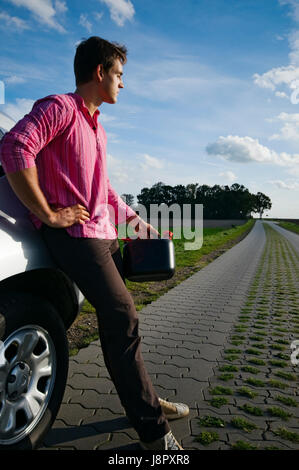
column 68, row 216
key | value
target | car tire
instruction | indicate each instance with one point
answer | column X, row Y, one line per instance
column 33, row 369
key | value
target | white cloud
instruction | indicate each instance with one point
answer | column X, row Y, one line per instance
column 18, row 109
column 228, row 175
column 13, row 22
column 281, row 94
column 60, row 7
column 291, row 186
column 284, row 75
column 85, row 23
column 290, row 128
column 248, row 150
column 165, row 79
column 104, row 118
column 98, row 16
column 277, row 76
column 120, row 10
column 113, row 122
column 150, row 162
column 131, row 175
column 43, row 11
column 6, row 123
column 293, row 37
column 14, row 80
column 118, row 171
column 294, row 4
column 241, row 149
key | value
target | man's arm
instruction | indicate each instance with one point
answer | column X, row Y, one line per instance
column 19, row 148
column 26, row 186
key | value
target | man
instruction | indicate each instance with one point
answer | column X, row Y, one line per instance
column 55, row 161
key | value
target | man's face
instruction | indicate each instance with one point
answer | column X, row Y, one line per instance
column 111, row 82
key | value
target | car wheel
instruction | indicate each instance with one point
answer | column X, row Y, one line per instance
column 33, row 369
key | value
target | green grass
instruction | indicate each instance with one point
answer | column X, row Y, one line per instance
column 277, row 384
column 255, row 338
column 255, row 382
column 246, row 392
column 257, row 362
column 207, row 437
column 242, row 445
column 278, row 347
column 241, row 423
column 289, row 226
column 259, row 346
column 288, row 401
column 226, row 377
column 282, row 356
column 286, row 375
column 253, row 410
column 278, row 363
column 232, row 351
column 219, row 390
column 253, row 352
column 286, row 434
column 279, row 412
column 228, row 368
column 232, row 357
column 236, row 342
column 250, row 369
column 218, row 402
column 211, row 421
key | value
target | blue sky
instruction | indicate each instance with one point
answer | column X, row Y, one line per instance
column 211, row 87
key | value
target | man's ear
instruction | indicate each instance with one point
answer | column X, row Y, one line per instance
column 100, row 72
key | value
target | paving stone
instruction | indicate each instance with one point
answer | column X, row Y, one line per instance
column 73, row 414
column 104, row 420
column 119, row 442
column 171, row 370
column 94, row 400
column 81, row 381
column 90, row 370
column 78, row 437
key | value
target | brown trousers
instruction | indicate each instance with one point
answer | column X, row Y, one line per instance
column 95, row 265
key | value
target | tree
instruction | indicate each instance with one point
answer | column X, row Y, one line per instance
column 261, row 202
column 128, row 198
column 219, row 202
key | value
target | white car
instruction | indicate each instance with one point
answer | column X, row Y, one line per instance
column 38, row 303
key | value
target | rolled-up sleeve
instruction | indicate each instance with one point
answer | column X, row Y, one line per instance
column 118, row 209
column 20, row 146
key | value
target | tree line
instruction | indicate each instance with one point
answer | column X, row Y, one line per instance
column 219, row 202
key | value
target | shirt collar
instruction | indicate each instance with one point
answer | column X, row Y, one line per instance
column 80, row 101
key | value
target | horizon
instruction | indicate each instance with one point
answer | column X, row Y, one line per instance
column 211, row 88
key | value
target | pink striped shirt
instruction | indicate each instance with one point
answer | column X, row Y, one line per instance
column 68, row 147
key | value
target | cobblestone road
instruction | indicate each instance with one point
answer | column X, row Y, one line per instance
column 219, row 341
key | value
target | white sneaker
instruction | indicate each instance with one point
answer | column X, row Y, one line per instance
column 167, row 442
column 174, row 410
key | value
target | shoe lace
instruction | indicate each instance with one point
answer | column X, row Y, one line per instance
column 171, row 442
column 167, row 406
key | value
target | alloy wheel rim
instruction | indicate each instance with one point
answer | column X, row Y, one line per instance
column 27, row 377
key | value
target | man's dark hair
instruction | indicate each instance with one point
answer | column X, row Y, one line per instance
column 94, row 51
